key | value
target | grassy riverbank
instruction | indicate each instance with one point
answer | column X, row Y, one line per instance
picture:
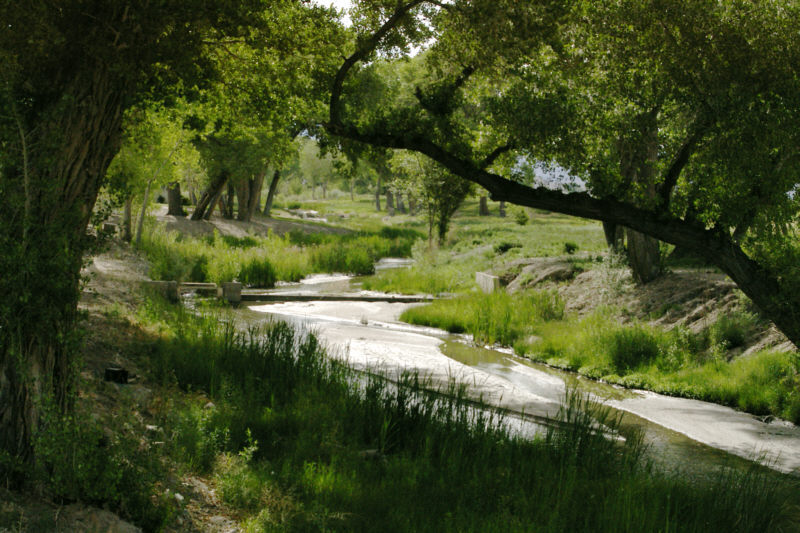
column 295, row 441
column 634, row 354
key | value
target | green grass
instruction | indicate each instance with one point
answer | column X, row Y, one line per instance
column 297, row 442
column 492, row 318
column 483, row 243
column 675, row 362
column 260, row 261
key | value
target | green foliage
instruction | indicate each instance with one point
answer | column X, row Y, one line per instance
column 257, row 273
column 519, row 215
column 497, row 317
column 631, row 347
column 570, row 247
column 260, row 261
column 732, row 330
column 77, row 461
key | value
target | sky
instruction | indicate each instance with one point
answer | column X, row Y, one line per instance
column 338, row 4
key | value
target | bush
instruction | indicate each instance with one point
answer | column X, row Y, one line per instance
column 520, row 215
column 503, row 247
column 630, row 347
column 257, row 272
column 731, row 331
column 570, row 247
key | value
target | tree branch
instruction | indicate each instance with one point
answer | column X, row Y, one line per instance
column 360, row 54
column 679, row 162
column 497, row 152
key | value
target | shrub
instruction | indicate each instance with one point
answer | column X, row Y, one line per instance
column 520, row 215
column 731, row 331
column 503, row 247
column 257, row 272
column 570, row 247
column 630, row 347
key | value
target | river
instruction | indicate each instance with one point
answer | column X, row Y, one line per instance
column 689, row 436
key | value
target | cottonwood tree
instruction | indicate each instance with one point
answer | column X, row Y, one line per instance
column 681, row 117
column 69, row 70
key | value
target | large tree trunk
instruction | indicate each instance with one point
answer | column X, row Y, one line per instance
column 47, row 200
column 273, row 190
column 401, row 206
column 174, row 200
column 644, row 256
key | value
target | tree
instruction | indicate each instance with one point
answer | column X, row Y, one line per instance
column 720, row 96
column 69, row 71
column 440, row 192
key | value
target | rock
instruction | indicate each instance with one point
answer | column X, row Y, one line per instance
column 232, row 292
column 487, row 282
column 538, row 272
column 93, row 520
column 140, row 395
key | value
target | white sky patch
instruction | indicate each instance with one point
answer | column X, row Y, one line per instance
column 340, row 5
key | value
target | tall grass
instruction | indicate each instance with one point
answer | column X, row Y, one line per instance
column 260, row 261
column 296, row 442
column 498, row 317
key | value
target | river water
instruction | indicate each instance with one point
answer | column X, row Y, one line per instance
column 690, row 436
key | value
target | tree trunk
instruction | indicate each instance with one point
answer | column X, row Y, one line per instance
column 389, row 202
column 644, row 257
column 242, row 189
column 273, row 190
column 352, row 192
column 71, row 137
column 127, row 230
column 483, row 207
column 502, row 209
column 378, row 194
column 174, row 200
column 205, row 206
column 227, row 202
column 140, row 224
column 401, row 206
column 615, row 236
column 255, row 184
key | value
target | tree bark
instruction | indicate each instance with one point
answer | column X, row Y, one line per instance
column 273, row 190
column 389, row 203
column 256, row 184
column 174, row 200
column 70, row 143
column 142, row 213
column 483, row 207
column 127, row 228
column 378, row 194
column 242, row 189
column 401, row 206
column 644, row 257
column 502, row 209
column 615, row 236
column 210, row 197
